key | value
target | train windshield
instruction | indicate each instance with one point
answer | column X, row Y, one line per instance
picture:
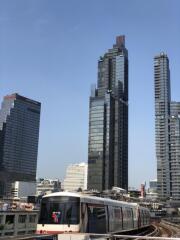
column 60, row 210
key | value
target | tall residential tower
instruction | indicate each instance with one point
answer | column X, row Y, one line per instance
column 175, row 150
column 108, row 121
column 167, row 123
column 19, row 134
column 162, row 123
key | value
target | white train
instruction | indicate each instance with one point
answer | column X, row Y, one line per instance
column 72, row 212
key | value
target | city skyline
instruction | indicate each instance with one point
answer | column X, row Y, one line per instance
column 48, row 55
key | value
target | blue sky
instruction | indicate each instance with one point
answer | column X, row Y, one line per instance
column 49, row 52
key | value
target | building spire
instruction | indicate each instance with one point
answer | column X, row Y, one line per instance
column 120, row 41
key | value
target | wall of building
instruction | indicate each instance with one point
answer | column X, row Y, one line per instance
column 23, row 189
column 76, row 177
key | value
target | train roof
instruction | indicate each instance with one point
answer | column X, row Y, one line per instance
column 90, row 198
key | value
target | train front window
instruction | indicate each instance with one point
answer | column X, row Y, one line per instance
column 60, row 210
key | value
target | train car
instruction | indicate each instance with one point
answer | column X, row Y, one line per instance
column 77, row 213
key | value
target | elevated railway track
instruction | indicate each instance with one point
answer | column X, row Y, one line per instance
column 157, row 231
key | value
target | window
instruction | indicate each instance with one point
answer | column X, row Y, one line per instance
column 59, row 210
column 22, row 219
column 9, row 219
column 21, row 233
column 96, row 219
column 117, row 213
column 1, row 219
column 32, row 218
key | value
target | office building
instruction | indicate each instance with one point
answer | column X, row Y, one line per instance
column 76, row 177
column 19, row 134
column 23, row 189
column 175, row 150
column 162, row 121
column 108, row 121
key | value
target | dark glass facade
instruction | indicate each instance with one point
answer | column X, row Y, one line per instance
column 108, row 121
column 19, row 134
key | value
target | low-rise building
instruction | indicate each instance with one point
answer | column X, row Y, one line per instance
column 46, row 186
column 153, row 186
column 14, row 223
column 23, row 189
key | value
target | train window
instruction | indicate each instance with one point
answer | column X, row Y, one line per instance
column 59, row 210
column 96, row 219
column 117, row 213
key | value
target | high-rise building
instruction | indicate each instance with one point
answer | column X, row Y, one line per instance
column 108, row 121
column 19, row 134
column 162, row 123
column 175, row 150
column 76, row 177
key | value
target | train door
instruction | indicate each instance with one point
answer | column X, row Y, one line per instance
column 94, row 218
column 139, row 217
column 124, row 218
column 110, row 219
column 135, row 218
column 118, row 217
column 84, row 218
column 129, row 218
column 132, row 218
column 142, row 218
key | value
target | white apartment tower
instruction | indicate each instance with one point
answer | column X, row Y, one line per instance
column 76, row 177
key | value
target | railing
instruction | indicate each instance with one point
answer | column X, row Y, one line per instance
column 33, row 237
column 89, row 237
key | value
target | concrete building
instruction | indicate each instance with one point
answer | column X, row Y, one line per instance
column 162, row 122
column 175, row 150
column 153, row 186
column 76, row 177
column 23, row 189
column 17, row 223
column 108, row 121
column 19, row 134
column 167, row 123
column 46, row 186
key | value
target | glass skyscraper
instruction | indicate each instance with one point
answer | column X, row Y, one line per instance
column 19, row 134
column 108, row 121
